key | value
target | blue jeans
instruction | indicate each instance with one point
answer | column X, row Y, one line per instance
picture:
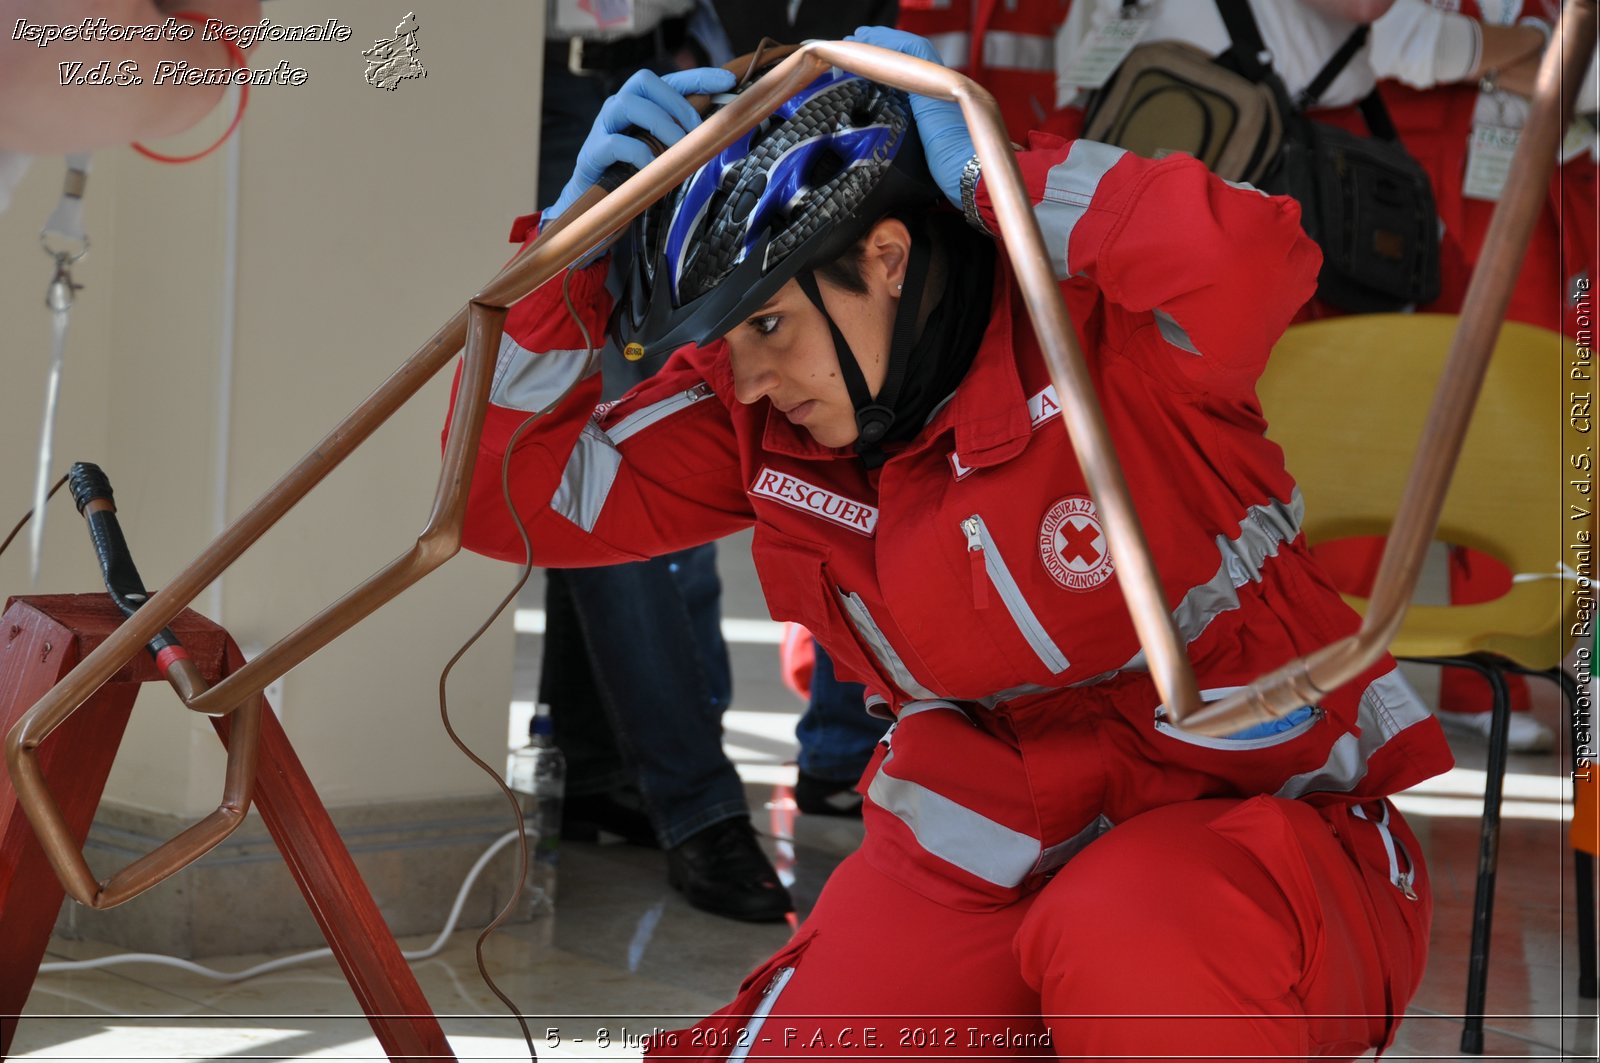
column 637, row 677
column 836, row 735
column 635, row 669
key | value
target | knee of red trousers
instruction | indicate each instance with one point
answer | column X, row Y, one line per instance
column 879, row 971
column 1203, row 928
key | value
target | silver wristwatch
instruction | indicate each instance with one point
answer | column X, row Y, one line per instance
column 969, row 194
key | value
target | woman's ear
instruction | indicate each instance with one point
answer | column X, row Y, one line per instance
column 888, row 249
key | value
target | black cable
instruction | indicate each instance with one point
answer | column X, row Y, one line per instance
column 29, row 515
column 523, row 573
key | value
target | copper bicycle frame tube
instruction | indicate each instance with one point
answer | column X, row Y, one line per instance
column 1561, row 72
column 1271, row 695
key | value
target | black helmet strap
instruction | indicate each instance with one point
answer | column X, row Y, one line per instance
column 875, row 416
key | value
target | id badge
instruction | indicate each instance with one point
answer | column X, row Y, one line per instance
column 1580, row 138
column 587, row 16
column 1489, row 161
column 1098, row 57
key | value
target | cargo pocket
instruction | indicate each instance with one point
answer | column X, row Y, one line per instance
column 792, row 577
column 796, row 583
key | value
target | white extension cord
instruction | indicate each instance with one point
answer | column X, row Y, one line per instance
column 299, row 957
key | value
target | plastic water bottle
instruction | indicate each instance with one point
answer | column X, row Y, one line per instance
column 538, row 774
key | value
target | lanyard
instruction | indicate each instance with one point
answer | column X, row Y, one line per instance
column 64, row 240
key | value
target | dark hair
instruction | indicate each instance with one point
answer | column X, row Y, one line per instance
column 845, row 271
column 947, row 231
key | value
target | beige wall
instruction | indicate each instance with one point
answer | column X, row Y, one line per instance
column 365, row 218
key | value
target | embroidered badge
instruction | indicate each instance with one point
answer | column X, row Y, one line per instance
column 1072, row 545
column 1042, row 409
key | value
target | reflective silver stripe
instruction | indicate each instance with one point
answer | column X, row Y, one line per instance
column 643, row 418
column 531, row 380
column 878, row 707
column 1057, row 855
column 758, row 1018
column 1068, row 188
column 1003, row 50
column 977, row 845
column 954, row 48
column 1263, row 529
column 995, row 700
column 867, row 628
column 912, row 708
column 586, row 481
column 1173, row 332
column 593, row 464
column 1245, row 186
column 1016, row 604
column 1388, row 706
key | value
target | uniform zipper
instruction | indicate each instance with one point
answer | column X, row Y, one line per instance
column 1403, row 877
column 975, row 562
column 758, row 1018
column 639, row 420
column 989, row 570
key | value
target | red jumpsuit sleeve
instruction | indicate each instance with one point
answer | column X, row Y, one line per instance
column 1221, row 267
column 656, row 471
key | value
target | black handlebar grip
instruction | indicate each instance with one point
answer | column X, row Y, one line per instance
column 88, row 484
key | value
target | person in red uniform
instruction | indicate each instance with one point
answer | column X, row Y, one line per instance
column 1048, row 863
column 1007, row 46
column 1440, row 92
column 1459, row 66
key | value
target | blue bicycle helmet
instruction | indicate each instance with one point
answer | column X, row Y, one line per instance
column 796, row 191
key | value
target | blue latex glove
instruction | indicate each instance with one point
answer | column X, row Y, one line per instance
column 653, row 104
column 945, row 139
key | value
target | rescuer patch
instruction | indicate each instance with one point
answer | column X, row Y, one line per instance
column 818, row 501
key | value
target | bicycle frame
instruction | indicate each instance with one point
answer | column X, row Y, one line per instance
column 477, row 327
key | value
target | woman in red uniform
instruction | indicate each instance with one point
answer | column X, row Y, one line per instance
column 1048, row 863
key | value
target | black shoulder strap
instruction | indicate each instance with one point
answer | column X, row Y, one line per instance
column 1379, row 124
column 1249, row 53
column 1251, row 58
column 1333, row 67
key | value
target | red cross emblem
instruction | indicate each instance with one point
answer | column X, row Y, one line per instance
column 1072, row 545
column 1077, row 542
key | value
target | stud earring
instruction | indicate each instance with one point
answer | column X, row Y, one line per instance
column 899, row 287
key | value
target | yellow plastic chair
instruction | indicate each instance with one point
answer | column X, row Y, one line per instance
column 1346, row 398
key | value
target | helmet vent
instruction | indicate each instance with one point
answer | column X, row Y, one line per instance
column 826, row 166
column 830, row 160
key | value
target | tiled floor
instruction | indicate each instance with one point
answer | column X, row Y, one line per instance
column 625, row 954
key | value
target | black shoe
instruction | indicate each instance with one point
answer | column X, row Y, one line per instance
column 722, row 870
column 826, row 797
column 585, row 816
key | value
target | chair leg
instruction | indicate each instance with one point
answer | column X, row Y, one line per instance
column 1583, row 879
column 1488, row 845
column 1582, row 862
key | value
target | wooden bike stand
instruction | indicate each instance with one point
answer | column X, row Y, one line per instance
column 41, row 639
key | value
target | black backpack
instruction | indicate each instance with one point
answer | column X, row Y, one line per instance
column 1365, row 201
